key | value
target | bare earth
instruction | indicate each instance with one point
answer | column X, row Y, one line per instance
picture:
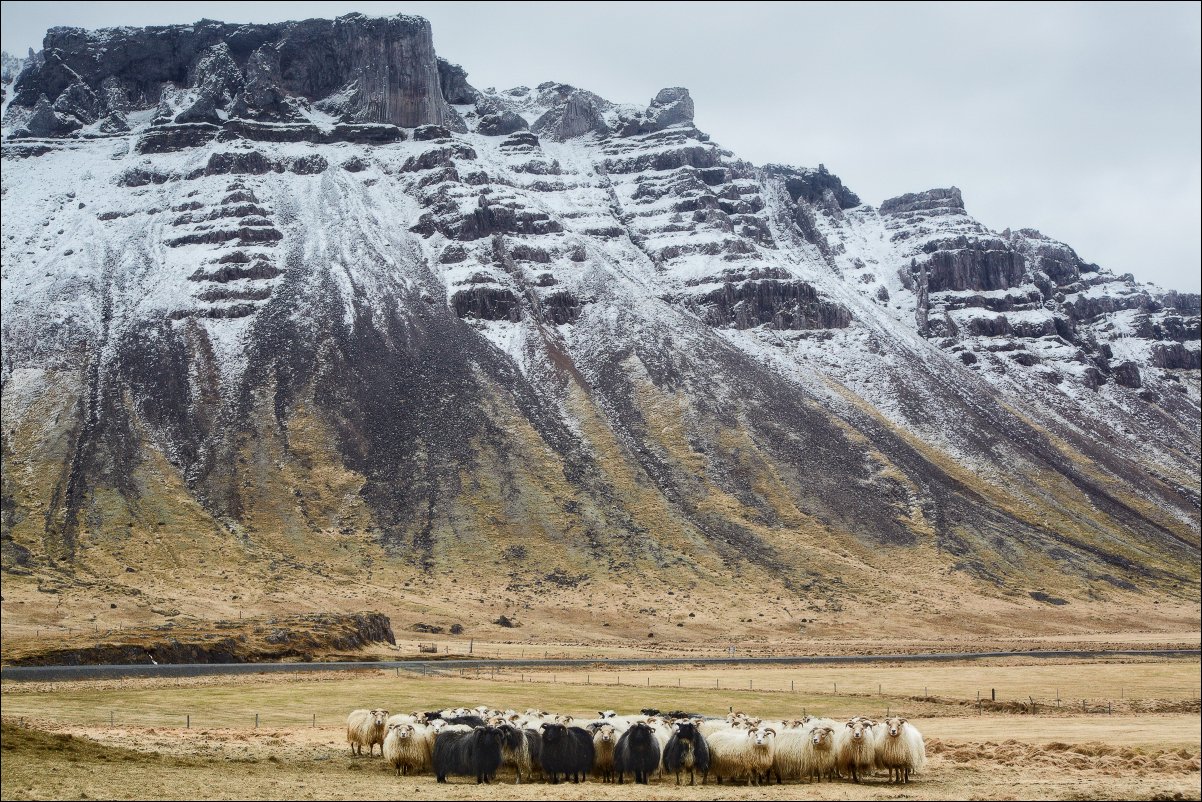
column 58, row 741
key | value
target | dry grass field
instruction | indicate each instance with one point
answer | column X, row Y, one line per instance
column 127, row 739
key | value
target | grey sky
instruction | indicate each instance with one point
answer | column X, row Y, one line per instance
column 1081, row 120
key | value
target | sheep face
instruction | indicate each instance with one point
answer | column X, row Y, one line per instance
column 895, row 726
column 606, row 714
column 379, row 717
column 822, row 735
column 641, row 732
column 762, row 736
column 685, row 730
column 606, row 733
column 859, row 729
column 553, row 732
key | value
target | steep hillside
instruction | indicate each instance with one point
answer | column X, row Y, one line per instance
column 294, row 318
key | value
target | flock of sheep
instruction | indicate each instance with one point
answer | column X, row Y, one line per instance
column 478, row 742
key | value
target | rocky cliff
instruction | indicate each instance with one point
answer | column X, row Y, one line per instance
column 290, row 309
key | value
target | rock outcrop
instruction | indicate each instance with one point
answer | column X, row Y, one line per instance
column 359, row 69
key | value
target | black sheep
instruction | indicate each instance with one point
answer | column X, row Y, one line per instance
column 686, row 749
column 470, row 753
column 637, row 752
column 567, row 751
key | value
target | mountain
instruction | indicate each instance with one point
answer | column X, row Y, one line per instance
column 294, row 317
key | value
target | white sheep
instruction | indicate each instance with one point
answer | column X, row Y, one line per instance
column 661, row 730
column 405, row 718
column 439, row 725
column 408, row 747
column 605, row 738
column 366, row 728
column 709, row 726
column 818, row 754
column 855, row 748
column 788, row 759
column 742, row 753
column 900, row 749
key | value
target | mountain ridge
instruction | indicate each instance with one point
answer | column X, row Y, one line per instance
column 533, row 335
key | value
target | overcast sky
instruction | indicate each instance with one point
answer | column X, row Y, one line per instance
column 1081, row 120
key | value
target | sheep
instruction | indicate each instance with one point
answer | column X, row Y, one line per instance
column 686, row 749
column 471, row 720
column 662, row 729
column 405, row 718
column 741, row 753
column 637, row 752
column 567, row 751
column 605, row 738
column 407, row 748
column 900, row 748
column 709, row 726
column 366, row 728
column 818, row 754
column 788, row 760
column 440, row 726
column 856, row 748
column 519, row 750
column 477, row 752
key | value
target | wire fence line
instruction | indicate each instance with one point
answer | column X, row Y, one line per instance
column 806, row 700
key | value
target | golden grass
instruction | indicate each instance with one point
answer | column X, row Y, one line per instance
column 287, row 701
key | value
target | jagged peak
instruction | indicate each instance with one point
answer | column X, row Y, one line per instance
column 942, row 200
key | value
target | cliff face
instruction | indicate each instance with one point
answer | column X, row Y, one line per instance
column 297, row 302
column 354, row 69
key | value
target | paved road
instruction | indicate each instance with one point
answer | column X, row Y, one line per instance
column 44, row 673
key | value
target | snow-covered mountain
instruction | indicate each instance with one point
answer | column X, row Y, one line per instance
column 274, row 291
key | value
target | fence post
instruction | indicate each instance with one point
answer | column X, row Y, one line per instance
column 256, row 721
column 110, row 718
column 791, row 688
column 648, row 680
column 749, row 685
column 188, row 722
column 878, row 689
column 314, row 719
column 993, row 694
